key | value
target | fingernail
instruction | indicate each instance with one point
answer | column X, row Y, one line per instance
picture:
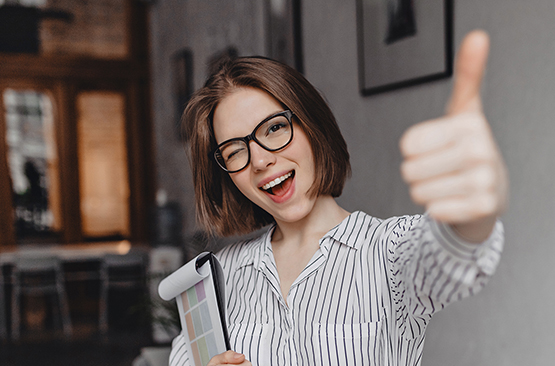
column 237, row 355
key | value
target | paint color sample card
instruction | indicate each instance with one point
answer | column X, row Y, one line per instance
column 199, row 324
column 198, row 288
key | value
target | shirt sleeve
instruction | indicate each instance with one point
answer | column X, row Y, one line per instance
column 431, row 267
column 179, row 355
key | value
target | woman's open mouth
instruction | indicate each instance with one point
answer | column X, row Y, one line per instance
column 279, row 186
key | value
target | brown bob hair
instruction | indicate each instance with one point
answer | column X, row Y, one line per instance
column 221, row 208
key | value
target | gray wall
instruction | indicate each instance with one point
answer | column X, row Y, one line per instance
column 510, row 322
column 206, row 27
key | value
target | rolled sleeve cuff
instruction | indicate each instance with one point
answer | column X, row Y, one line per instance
column 482, row 258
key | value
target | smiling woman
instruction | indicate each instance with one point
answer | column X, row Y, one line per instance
column 220, row 206
column 284, row 198
column 323, row 286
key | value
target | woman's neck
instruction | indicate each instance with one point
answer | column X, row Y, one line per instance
column 325, row 214
column 294, row 243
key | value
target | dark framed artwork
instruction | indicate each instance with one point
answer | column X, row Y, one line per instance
column 403, row 43
column 284, row 33
column 183, row 76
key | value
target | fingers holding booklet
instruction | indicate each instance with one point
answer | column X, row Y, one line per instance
column 229, row 358
column 199, row 290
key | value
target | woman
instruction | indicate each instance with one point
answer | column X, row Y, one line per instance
column 323, row 286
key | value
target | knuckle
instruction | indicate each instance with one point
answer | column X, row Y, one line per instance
column 483, row 179
column 436, row 211
column 417, row 195
column 459, row 157
column 473, row 146
column 405, row 144
column 473, row 123
column 475, row 149
column 486, row 205
column 420, row 193
column 406, row 171
column 228, row 354
column 476, row 122
column 490, row 180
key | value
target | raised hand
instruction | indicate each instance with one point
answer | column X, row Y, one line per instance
column 452, row 164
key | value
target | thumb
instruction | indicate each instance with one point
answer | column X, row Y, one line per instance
column 469, row 70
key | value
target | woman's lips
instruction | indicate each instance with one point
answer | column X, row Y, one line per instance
column 284, row 190
column 276, row 181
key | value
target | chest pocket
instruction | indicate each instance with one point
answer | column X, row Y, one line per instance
column 349, row 344
column 252, row 341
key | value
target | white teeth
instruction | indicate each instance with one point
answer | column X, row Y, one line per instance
column 276, row 181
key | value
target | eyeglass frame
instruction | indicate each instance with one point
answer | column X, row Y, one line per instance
column 252, row 137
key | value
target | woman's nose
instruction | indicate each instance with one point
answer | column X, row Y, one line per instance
column 260, row 157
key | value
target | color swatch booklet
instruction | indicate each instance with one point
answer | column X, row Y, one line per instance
column 199, row 290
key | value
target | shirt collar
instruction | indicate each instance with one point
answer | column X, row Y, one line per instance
column 258, row 249
column 343, row 233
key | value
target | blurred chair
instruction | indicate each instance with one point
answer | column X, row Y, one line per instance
column 153, row 356
column 3, row 321
column 119, row 272
column 162, row 261
column 36, row 274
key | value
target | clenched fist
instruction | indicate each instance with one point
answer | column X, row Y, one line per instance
column 452, row 164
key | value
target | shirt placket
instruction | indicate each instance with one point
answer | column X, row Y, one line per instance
column 315, row 263
column 269, row 270
column 290, row 317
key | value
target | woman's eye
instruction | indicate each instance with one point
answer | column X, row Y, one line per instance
column 233, row 154
column 275, row 128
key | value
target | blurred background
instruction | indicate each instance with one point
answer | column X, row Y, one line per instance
column 96, row 199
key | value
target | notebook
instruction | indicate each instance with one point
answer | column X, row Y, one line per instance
column 199, row 290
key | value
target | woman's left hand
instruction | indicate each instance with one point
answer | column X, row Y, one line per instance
column 452, row 164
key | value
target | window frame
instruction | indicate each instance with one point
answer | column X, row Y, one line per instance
column 64, row 77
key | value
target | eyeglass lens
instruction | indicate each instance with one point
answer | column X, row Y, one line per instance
column 272, row 135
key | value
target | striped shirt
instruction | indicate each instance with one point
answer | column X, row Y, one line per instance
column 365, row 298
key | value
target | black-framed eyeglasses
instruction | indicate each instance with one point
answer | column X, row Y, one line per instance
column 273, row 133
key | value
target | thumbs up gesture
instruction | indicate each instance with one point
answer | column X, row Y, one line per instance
column 452, row 164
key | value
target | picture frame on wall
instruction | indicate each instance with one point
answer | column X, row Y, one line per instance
column 284, row 32
column 183, row 75
column 403, row 43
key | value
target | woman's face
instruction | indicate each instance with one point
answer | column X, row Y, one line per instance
column 292, row 167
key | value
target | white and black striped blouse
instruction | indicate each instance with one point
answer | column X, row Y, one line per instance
column 365, row 298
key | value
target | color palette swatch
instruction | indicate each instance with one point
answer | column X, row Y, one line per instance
column 199, row 324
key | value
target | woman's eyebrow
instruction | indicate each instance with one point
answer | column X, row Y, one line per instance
column 263, row 119
column 273, row 113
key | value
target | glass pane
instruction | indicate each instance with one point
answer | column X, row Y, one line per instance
column 102, row 154
column 97, row 28
column 33, row 163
